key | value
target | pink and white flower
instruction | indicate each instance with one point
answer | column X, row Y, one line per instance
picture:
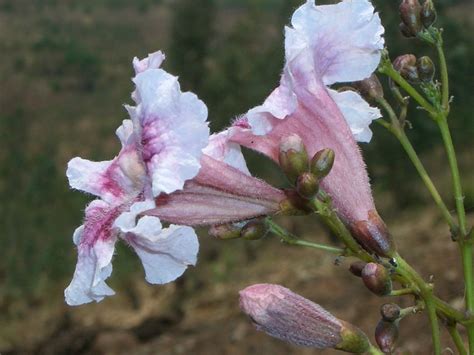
column 326, row 45
column 161, row 149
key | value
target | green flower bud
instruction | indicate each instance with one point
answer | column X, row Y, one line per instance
column 390, row 312
column 254, row 230
column 428, row 14
column 307, row 185
column 426, row 69
column 293, row 157
column 354, row 340
column 322, row 163
column 225, row 231
column 410, row 13
column 370, row 88
column 377, row 279
column 386, row 335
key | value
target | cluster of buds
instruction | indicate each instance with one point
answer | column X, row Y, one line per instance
column 387, row 330
column 415, row 17
column 251, row 230
column 302, row 172
column 415, row 70
column 375, row 277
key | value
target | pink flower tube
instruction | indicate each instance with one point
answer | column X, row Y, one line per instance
column 326, row 45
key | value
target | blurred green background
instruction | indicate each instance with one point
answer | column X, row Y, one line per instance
column 65, row 72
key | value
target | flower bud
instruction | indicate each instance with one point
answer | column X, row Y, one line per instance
column 377, row 279
column 390, row 312
column 307, row 185
column 406, row 66
column 406, row 32
column 386, row 335
column 428, row 14
column 322, row 162
column 356, row 268
column 373, row 235
column 410, row 11
column 287, row 316
column 225, row 231
column 293, row 157
column 370, row 88
column 254, row 230
column 294, row 204
column 426, row 69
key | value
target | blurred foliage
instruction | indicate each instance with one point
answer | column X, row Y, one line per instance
column 68, row 72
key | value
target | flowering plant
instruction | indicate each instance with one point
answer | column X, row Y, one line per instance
column 171, row 170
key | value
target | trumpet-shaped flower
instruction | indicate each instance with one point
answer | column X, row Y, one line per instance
column 326, row 45
column 161, row 149
column 223, row 191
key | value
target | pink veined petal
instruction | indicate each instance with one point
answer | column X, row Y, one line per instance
column 220, row 148
column 127, row 221
column 173, row 129
column 164, row 255
column 93, row 268
column 113, row 181
column 343, row 40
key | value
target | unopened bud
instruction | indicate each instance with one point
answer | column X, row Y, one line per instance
column 377, row 279
column 390, row 312
column 225, row 231
column 426, row 69
column 410, row 13
column 370, row 88
column 373, row 235
column 283, row 314
column 254, row 230
column 294, row 204
column 386, row 335
column 428, row 14
column 322, row 162
column 293, row 157
column 406, row 32
column 356, row 268
column 406, row 66
column 307, row 185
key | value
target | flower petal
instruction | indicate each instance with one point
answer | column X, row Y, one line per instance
column 115, row 180
column 173, row 129
column 220, row 148
column 127, row 221
column 344, row 40
column 93, row 268
column 357, row 113
column 166, row 254
column 153, row 61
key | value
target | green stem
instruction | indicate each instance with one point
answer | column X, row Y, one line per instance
column 402, row 292
column 291, row 239
column 426, row 292
column 387, row 69
column 374, row 351
column 444, row 75
column 453, row 331
column 398, row 132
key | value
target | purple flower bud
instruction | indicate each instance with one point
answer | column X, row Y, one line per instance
column 428, row 13
column 410, row 11
column 386, row 335
column 293, row 157
column 307, row 185
column 356, row 268
column 406, row 66
column 390, row 312
column 370, row 88
column 377, row 279
column 289, row 317
column 322, row 162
